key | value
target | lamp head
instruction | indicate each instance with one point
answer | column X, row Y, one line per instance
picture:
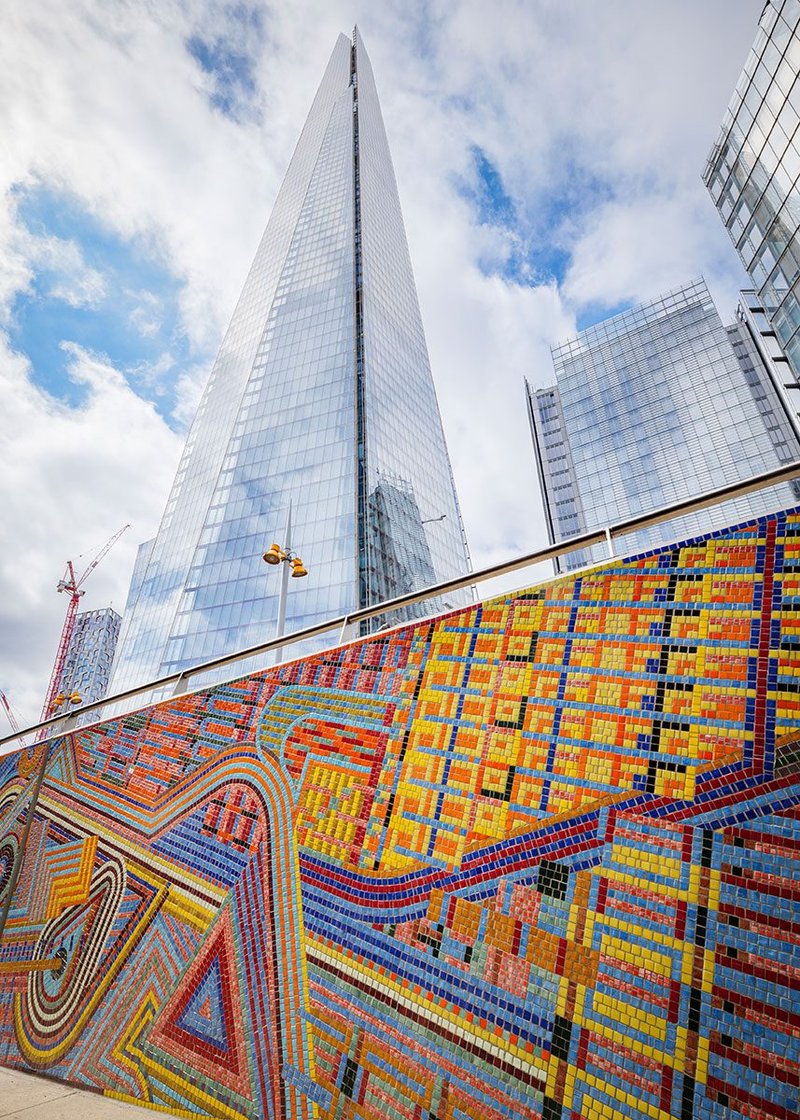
column 75, row 697
column 274, row 554
column 298, row 571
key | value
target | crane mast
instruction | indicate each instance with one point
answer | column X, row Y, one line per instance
column 70, row 585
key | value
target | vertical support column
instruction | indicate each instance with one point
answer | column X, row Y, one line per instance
column 281, row 624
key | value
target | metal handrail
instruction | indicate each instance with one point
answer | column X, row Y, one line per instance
column 180, row 679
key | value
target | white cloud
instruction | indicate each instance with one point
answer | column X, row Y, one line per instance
column 146, row 314
column 597, row 117
column 71, row 478
column 117, row 117
column 630, row 250
column 85, row 290
column 151, row 375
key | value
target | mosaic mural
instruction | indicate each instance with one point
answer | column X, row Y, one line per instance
column 538, row 858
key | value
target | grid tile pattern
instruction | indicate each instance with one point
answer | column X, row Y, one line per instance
column 537, row 858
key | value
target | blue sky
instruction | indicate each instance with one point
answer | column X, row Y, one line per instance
column 129, row 316
column 535, row 239
column 228, row 61
column 533, row 254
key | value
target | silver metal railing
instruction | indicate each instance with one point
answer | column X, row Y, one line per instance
column 62, row 724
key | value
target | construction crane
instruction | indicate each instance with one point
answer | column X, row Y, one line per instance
column 12, row 719
column 74, row 588
column 11, row 716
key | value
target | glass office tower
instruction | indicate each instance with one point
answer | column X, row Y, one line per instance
column 90, row 654
column 659, row 403
column 753, row 171
column 321, row 403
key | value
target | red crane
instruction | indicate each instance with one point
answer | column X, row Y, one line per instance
column 10, row 716
column 73, row 587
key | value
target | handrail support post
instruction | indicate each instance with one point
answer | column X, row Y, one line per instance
column 181, row 684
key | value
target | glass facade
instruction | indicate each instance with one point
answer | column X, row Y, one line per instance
column 87, row 666
column 405, row 451
column 659, row 403
column 320, row 401
column 753, row 171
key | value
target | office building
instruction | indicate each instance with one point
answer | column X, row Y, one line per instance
column 659, row 403
column 753, row 169
column 320, row 406
column 90, row 654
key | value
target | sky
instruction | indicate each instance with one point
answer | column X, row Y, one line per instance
column 548, row 156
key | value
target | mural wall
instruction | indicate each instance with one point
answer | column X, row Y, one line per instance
column 539, row 858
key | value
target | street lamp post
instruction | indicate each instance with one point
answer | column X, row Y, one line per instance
column 277, row 555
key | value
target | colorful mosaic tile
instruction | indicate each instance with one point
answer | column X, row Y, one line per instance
column 537, row 858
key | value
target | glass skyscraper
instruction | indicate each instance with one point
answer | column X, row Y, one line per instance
column 87, row 666
column 320, row 402
column 753, row 172
column 659, row 403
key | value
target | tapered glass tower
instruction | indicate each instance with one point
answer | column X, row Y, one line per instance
column 320, row 401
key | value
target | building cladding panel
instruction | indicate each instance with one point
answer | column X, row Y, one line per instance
column 87, row 667
column 762, row 376
column 321, row 389
column 651, row 406
column 753, row 170
column 754, row 318
column 557, row 479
